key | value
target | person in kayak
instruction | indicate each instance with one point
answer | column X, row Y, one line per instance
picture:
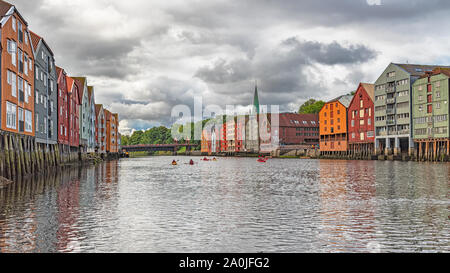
column 191, row 162
column 174, row 163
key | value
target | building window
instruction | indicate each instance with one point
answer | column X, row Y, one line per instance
column 438, row 94
column 361, row 104
column 12, row 50
column 14, row 27
column 11, row 115
column 361, row 113
column 361, row 122
column 391, row 74
column 362, row 136
column 369, row 122
column 28, row 121
column 20, row 34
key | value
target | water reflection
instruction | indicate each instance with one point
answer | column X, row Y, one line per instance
column 234, row 205
column 43, row 213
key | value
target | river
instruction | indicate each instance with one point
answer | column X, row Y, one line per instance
column 232, row 205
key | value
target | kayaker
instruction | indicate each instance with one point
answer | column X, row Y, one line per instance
column 191, row 162
column 174, row 163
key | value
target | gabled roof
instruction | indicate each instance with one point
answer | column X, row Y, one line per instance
column 296, row 120
column 98, row 108
column 417, row 70
column 437, row 71
column 35, row 39
column 5, row 7
column 345, row 100
column 80, row 86
column 90, row 92
column 70, row 83
column 370, row 89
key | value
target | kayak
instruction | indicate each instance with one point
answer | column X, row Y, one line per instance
column 174, row 164
column 261, row 160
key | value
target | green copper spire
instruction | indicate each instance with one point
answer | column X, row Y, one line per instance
column 256, row 99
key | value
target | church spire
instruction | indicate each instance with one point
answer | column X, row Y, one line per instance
column 256, row 99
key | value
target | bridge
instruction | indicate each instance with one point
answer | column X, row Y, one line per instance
column 156, row 147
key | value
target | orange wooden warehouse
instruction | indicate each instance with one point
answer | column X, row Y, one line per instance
column 333, row 126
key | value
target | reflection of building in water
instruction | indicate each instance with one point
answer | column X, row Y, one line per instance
column 22, row 229
column 347, row 191
column 68, row 209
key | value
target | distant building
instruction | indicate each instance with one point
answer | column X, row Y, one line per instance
column 333, row 125
column 292, row 130
column 85, row 113
column 430, row 113
column 92, row 120
column 252, row 138
column 231, row 134
column 100, row 129
column 361, row 122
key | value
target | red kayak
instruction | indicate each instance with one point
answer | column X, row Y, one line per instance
column 262, row 160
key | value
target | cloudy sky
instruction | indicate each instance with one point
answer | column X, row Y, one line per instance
column 144, row 57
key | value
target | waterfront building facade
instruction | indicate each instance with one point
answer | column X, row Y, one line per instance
column 241, row 121
column 361, row 122
column 100, row 129
column 91, row 126
column 111, row 132
column 393, row 108
column 231, row 134
column 73, row 112
column 62, row 107
column 333, row 125
column 206, row 142
column 430, row 114
column 85, row 115
column 17, row 73
column 46, row 94
column 289, row 130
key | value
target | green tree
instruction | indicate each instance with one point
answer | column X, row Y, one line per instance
column 311, row 107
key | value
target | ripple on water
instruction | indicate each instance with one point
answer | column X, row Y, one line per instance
column 233, row 205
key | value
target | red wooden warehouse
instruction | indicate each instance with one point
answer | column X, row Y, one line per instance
column 361, row 122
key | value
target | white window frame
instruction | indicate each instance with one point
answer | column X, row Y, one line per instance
column 11, row 115
column 28, row 121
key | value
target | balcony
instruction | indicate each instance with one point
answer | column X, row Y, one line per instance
column 404, row 132
column 390, row 111
column 382, row 133
column 390, row 101
column 393, row 133
column 390, row 89
column 390, row 122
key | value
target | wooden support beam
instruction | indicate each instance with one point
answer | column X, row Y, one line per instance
column 448, row 147
column 434, row 150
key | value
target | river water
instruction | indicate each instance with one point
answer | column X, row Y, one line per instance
column 232, row 205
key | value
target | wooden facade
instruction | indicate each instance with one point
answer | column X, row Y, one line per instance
column 333, row 126
column 361, row 122
column 17, row 73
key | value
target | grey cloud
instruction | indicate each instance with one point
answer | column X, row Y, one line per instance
column 282, row 72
